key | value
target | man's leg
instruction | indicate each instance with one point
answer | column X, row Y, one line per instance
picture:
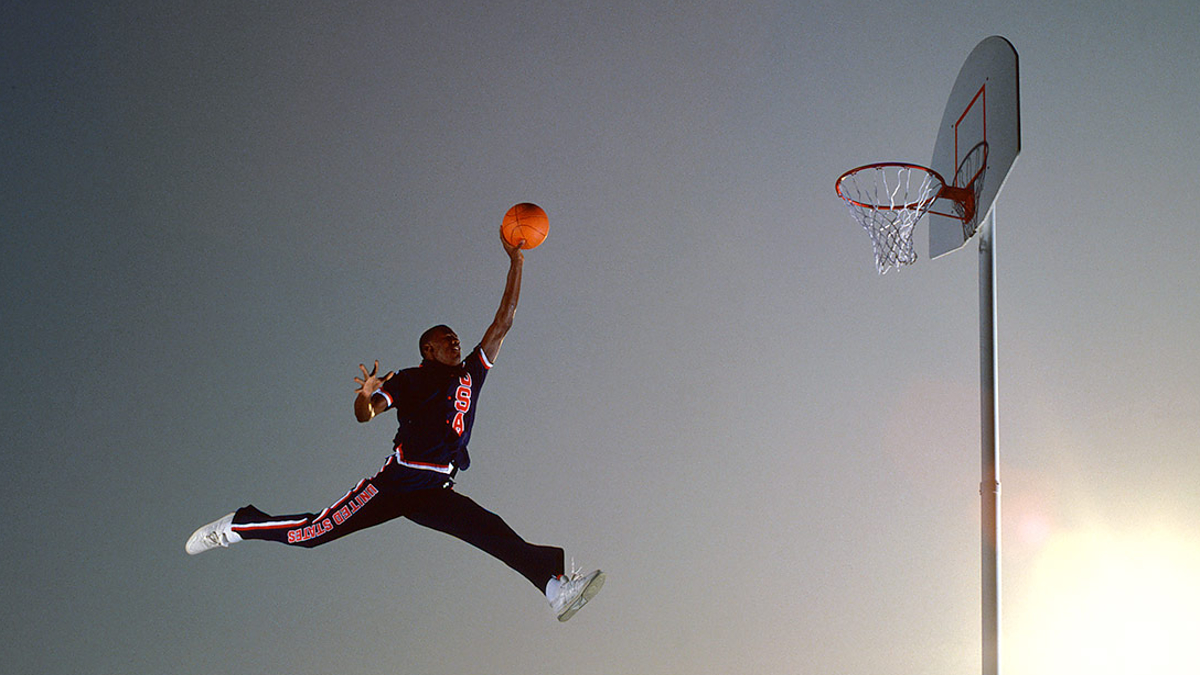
column 364, row 506
column 373, row 501
column 459, row 516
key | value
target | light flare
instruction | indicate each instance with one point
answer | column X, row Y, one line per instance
column 1106, row 603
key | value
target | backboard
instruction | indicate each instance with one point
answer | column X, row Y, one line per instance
column 983, row 108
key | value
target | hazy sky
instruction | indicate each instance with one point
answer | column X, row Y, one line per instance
column 211, row 213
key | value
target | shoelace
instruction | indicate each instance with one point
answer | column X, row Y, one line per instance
column 572, row 579
column 566, row 585
column 217, row 539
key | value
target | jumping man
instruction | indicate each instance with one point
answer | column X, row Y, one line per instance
column 435, row 405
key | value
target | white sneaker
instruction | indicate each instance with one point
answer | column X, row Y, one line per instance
column 212, row 535
column 574, row 592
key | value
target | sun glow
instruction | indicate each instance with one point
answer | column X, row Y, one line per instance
column 1103, row 603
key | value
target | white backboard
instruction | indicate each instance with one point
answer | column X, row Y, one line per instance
column 984, row 107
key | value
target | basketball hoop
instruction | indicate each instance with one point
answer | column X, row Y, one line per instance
column 888, row 198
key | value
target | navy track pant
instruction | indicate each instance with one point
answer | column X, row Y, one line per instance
column 382, row 498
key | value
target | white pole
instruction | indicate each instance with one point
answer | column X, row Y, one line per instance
column 989, row 486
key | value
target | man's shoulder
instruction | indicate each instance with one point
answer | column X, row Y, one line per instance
column 408, row 372
column 403, row 377
column 477, row 361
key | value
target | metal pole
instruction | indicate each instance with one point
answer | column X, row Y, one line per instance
column 989, row 486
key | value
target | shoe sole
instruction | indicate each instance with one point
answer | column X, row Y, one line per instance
column 588, row 593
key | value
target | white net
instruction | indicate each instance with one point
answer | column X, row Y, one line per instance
column 970, row 174
column 888, row 200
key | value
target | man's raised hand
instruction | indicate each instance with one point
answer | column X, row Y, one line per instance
column 369, row 383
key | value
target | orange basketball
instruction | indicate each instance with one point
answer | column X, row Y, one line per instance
column 525, row 221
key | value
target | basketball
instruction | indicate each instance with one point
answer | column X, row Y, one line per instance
column 525, row 221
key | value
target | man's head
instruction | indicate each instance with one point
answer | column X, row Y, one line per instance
column 440, row 344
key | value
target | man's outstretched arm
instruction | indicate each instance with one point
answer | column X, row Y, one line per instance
column 494, row 336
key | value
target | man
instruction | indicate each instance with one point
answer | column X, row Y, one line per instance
column 435, row 404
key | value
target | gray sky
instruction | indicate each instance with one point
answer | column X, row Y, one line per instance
column 213, row 212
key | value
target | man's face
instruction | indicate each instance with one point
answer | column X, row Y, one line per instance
column 444, row 348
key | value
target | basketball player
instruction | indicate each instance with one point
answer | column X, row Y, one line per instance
column 435, row 404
